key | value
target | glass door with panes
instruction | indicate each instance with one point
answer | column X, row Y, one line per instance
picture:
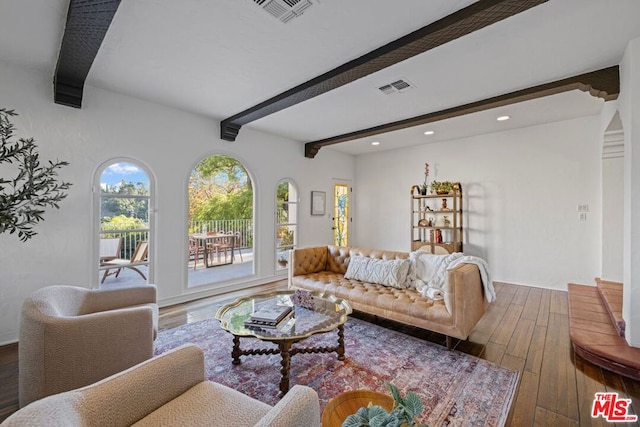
column 286, row 222
column 341, row 200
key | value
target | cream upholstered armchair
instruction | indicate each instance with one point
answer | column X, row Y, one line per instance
column 71, row 336
column 169, row 390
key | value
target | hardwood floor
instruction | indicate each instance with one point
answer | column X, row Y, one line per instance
column 8, row 380
column 526, row 329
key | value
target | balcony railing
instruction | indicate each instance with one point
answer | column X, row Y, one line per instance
column 131, row 237
column 243, row 226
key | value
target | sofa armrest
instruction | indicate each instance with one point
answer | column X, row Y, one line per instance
column 299, row 407
column 308, row 260
column 466, row 296
column 111, row 299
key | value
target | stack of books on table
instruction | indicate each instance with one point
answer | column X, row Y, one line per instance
column 270, row 317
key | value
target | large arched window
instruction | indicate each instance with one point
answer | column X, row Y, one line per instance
column 124, row 199
column 220, row 228
column 286, row 221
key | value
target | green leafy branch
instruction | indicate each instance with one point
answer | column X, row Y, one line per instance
column 23, row 199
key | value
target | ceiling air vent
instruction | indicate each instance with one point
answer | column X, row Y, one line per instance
column 284, row 10
column 396, row 87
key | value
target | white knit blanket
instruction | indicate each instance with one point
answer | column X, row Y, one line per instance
column 428, row 273
column 428, row 270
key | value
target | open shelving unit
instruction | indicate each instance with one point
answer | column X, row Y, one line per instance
column 436, row 220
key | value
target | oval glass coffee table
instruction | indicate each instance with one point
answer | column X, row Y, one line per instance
column 314, row 313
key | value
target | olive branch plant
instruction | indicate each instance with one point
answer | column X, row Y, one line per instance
column 24, row 197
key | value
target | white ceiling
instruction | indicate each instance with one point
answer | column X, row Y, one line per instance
column 218, row 58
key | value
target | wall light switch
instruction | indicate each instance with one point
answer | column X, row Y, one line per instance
column 583, row 216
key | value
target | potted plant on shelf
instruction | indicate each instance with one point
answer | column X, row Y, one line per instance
column 441, row 187
column 423, row 187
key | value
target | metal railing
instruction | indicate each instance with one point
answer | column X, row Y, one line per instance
column 243, row 226
column 131, row 237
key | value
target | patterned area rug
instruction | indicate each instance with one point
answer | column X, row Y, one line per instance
column 457, row 389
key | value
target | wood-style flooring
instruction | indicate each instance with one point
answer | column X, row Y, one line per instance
column 526, row 329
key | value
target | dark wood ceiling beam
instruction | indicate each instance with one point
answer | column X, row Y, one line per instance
column 604, row 83
column 465, row 21
column 87, row 24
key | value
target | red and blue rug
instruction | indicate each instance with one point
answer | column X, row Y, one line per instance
column 457, row 389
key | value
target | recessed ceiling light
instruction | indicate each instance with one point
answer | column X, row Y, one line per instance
column 429, row 132
column 503, row 118
column 375, row 143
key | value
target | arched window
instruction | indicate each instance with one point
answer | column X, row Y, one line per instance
column 286, row 221
column 220, row 228
column 125, row 194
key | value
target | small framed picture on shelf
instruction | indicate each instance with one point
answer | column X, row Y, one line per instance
column 318, row 202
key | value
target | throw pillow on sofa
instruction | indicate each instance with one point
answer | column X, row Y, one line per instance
column 387, row 272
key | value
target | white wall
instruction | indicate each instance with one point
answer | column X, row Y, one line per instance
column 521, row 189
column 629, row 102
column 612, row 210
column 169, row 142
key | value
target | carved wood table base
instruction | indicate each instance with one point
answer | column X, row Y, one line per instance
column 286, row 350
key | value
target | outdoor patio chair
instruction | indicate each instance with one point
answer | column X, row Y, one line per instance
column 196, row 251
column 137, row 259
column 213, row 246
column 222, row 244
column 226, row 244
column 238, row 245
column 110, row 248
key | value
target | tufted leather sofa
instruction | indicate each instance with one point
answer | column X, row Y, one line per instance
column 322, row 268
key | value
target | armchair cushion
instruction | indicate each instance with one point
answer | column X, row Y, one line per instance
column 216, row 403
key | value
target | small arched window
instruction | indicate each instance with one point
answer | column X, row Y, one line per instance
column 125, row 193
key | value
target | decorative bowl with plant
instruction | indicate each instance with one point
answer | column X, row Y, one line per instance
column 404, row 412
